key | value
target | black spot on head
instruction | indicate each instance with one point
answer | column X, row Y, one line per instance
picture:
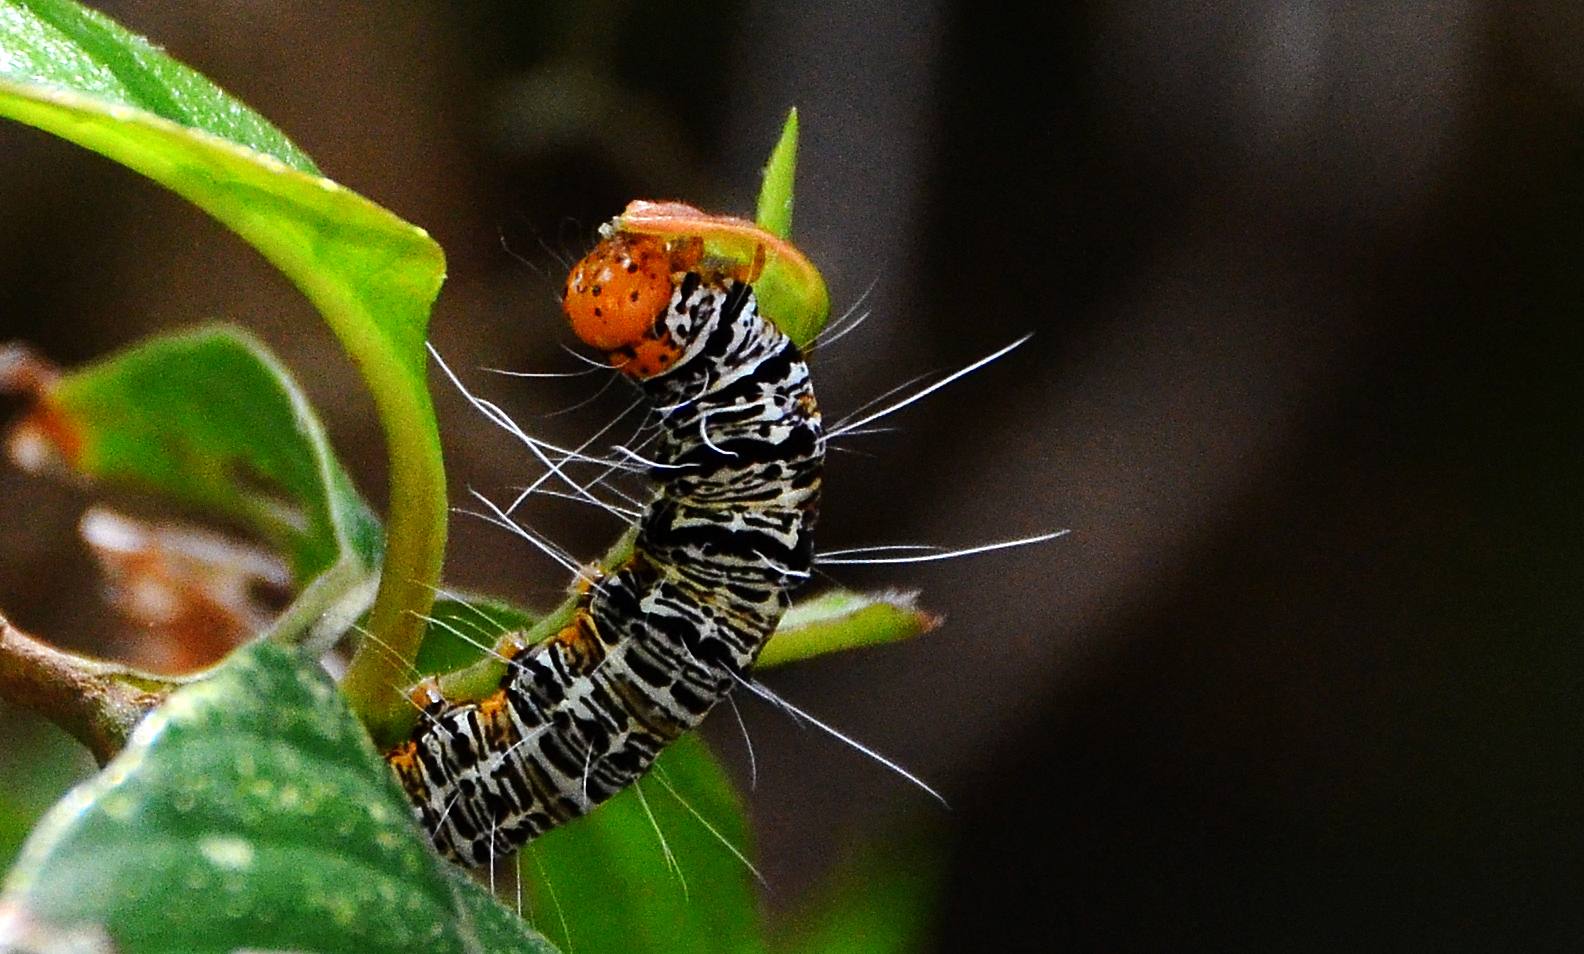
column 596, row 290
column 599, row 312
column 631, row 267
column 633, row 296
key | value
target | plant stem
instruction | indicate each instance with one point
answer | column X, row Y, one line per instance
column 97, row 702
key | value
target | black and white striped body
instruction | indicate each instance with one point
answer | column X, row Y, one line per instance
column 666, row 636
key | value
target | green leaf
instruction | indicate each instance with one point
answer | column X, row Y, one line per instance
column 495, row 928
column 880, row 902
column 39, row 763
column 211, row 420
column 774, row 212
column 372, row 276
column 841, row 620
column 251, row 812
column 604, row 882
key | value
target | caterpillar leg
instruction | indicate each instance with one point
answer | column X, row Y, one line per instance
column 589, row 575
column 579, row 643
column 510, row 645
column 403, row 759
column 426, row 697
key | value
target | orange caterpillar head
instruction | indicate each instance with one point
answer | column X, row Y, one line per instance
column 616, row 296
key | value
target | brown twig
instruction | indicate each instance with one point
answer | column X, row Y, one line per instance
column 97, row 702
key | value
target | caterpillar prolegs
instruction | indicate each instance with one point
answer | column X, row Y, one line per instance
column 656, row 643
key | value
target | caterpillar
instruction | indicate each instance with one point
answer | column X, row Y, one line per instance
column 655, row 643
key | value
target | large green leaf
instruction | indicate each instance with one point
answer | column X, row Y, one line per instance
column 372, row 276
column 211, row 420
column 251, row 812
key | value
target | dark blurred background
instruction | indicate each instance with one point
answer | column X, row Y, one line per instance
column 1306, row 384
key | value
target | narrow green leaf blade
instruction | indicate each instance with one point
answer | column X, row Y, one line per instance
column 250, row 812
column 211, row 420
column 774, row 213
column 841, row 620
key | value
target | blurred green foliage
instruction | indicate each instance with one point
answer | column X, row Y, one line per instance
column 39, row 763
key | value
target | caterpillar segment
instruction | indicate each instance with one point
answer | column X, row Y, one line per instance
column 660, row 640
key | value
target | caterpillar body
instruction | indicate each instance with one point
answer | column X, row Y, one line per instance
column 657, row 642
